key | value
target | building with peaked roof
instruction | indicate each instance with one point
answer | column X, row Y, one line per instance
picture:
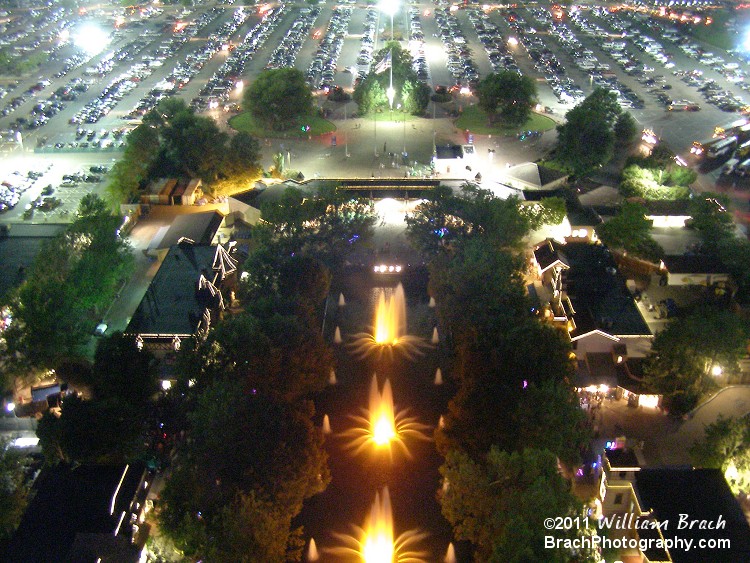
column 184, row 296
column 533, row 176
column 198, row 228
column 83, row 513
column 582, row 291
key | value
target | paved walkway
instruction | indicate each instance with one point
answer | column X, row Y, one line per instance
column 666, row 441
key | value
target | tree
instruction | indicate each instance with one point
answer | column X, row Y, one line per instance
column 586, row 141
column 14, row 490
column 248, row 452
column 141, row 148
column 710, row 217
column 726, row 446
column 626, row 129
column 194, row 145
column 685, row 354
column 547, row 211
column 242, row 157
column 278, row 354
column 123, row 373
column 278, row 97
column 630, row 230
column 409, row 91
column 99, row 431
column 369, row 95
column 500, row 505
column 415, row 96
column 507, row 94
column 74, row 276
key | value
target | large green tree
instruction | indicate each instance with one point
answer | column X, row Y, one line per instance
column 248, row 453
column 74, row 277
column 409, row 92
column 14, row 489
column 688, row 352
column 726, row 446
column 278, row 97
column 507, row 95
column 586, row 140
column 630, row 230
column 500, row 506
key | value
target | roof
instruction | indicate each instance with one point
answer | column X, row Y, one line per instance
column 172, row 303
column 620, row 458
column 703, row 495
column 630, row 376
column 599, row 295
column 198, row 227
column 694, row 264
column 533, row 175
column 548, row 254
column 449, row 152
column 72, row 500
column 598, row 369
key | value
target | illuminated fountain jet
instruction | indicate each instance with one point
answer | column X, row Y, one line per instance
column 375, row 542
column 389, row 330
column 381, row 426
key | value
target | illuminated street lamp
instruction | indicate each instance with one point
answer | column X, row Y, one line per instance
column 390, row 93
column 389, row 7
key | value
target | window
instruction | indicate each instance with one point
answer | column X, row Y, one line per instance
column 618, row 498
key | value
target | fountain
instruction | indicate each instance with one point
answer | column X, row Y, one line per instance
column 382, row 426
column 375, row 542
column 450, row 554
column 312, row 551
column 342, row 301
column 438, row 377
column 435, row 337
column 326, row 425
column 441, row 422
column 332, row 377
column 432, row 302
column 337, row 336
column 389, row 330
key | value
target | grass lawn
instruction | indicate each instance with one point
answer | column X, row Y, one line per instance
column 318, row 126
column 717, row 33
column 475, row 120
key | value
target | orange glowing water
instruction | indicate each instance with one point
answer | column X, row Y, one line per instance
column 390, row 316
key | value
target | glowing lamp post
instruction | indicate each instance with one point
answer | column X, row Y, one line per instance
column 390, row 93
column 389, row 7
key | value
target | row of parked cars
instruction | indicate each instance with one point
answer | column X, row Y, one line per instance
column 494, row 43
column 417, row 41
column 13, row 186
column 323, row 66
column 285, row 54
column 367, row 43
column 217, row 88
column 462, row 67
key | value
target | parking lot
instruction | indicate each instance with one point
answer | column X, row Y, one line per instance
column 84, row 99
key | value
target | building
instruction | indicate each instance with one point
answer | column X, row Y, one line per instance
column 449, row 160
column 84, row 513
column 532, row 176
column 633, row 499
column 580, row 289
column 186, row 294
column 693, row 269
column 199, row 228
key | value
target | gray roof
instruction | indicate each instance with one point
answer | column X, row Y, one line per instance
column 198, row 227
column 536, row 176
column 599, row 294
column 172, row 303
column 702, row 494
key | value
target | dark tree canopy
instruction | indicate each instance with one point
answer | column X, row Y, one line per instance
column 278, row 97
column 630, row 230
column 499, row 505
column 683, row 355
column 250, row 453
column 586, row 140
column 507, row 95
column 73, row 279
column 410, row 93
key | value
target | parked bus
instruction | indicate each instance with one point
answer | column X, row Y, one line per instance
column 723, row 148
column 731, row 128
column 713, row 147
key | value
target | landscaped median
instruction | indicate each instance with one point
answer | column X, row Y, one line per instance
column 304, row 127
column 474, row 119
